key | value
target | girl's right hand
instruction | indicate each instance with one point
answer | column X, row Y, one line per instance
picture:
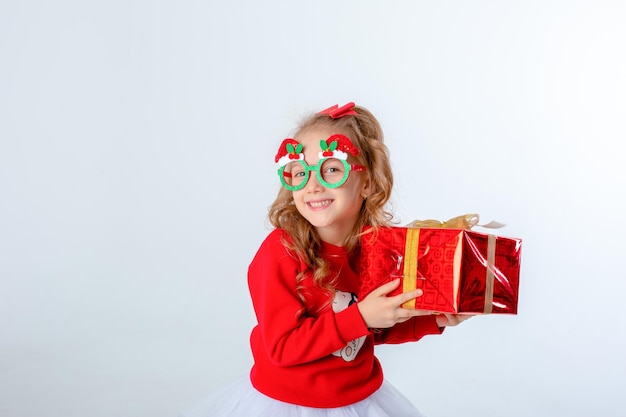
column 380, row 311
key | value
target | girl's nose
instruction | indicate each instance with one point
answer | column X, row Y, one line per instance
column 313, row 185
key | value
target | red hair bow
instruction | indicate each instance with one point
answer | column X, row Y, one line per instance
column 335, row 112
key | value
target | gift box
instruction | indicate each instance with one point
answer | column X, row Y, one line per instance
column 459, row 270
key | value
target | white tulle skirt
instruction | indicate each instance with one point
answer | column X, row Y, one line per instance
column 241, row 399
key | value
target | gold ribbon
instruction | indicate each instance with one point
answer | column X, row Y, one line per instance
column 409, row 281
column 489, row 277
column 465, row 221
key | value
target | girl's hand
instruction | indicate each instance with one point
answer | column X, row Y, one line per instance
column 448, row 320
column 380, row 311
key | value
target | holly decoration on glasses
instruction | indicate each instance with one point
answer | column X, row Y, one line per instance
column 328, row 149
column 294, row 152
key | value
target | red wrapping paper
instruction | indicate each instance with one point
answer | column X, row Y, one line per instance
column 460, row 271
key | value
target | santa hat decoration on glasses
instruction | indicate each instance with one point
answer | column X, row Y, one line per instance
column 332, row 169
column 289, row 151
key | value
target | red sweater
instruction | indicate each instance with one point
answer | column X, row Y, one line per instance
column 317, row 352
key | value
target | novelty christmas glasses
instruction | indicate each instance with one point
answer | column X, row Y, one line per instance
column 332, row 170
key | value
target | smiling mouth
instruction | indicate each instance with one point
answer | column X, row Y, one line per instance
column 319, row 204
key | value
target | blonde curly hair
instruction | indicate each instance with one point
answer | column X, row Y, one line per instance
column 366, row 134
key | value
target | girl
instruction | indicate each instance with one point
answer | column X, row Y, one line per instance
column 313, row 347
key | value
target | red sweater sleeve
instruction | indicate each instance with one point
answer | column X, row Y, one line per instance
column 288, row 334
column 410, row 331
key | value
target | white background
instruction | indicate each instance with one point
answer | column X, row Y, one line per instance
column 136, row 167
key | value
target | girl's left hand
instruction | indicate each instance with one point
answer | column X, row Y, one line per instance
column 448, row 320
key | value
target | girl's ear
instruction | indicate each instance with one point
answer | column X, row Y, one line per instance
column 366, row 191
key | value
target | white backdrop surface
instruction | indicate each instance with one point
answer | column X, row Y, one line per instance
column 136, row 146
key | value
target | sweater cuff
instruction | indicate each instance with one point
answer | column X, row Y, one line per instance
column 428, row 325
column 350, row 324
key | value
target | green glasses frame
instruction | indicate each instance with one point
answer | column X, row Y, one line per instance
column 308, row 168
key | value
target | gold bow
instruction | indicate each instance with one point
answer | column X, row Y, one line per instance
column 465, row 221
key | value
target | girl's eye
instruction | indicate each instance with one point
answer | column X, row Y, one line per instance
column 294, row 173
column 295, row 169
column 332, row 166
column 332, row 170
